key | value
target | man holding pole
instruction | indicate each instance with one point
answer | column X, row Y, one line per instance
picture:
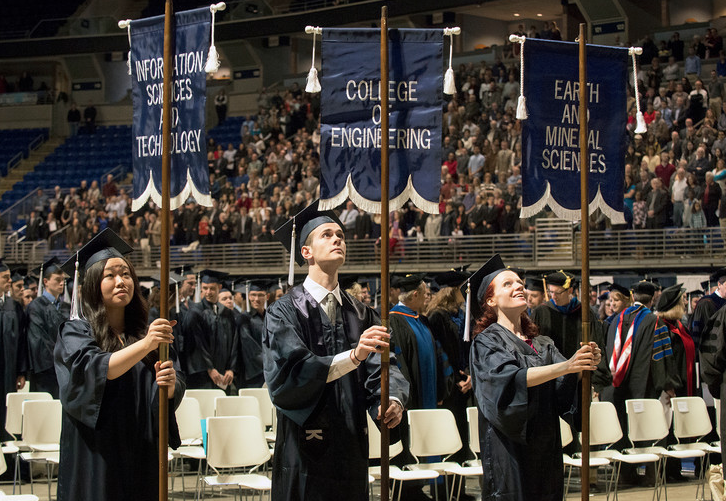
column 322, row 366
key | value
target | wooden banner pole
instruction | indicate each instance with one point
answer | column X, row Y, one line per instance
column 165, row 216
column 585, row 246
column 385, row 357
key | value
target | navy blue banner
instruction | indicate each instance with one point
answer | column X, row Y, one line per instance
column 189, row 171
column 350, row 147
column 551, row 133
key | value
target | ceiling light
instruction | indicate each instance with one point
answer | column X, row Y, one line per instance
column 516, row 14
column 539, row 15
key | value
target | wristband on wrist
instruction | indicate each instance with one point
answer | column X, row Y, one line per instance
column 356, row 358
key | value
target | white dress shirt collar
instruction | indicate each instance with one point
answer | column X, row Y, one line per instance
column 319, row 292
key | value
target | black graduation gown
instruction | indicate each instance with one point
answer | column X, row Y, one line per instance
column 713, row 363
column 214, row 339
column 321, row 452
column 565, row 329
column 43, row 323
column 446, row 332
column 110, row 430
column 704, row 310
column 519, row 429
column 14, row 357
column 249, row 360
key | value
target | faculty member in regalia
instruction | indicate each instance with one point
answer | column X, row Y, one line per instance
column 522, row 384
column 109, row 375
column 322, row 366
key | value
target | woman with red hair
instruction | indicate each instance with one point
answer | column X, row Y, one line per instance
column 522, row 385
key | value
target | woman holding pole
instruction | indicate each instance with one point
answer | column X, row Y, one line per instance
column 109, row 376
column 522, row 385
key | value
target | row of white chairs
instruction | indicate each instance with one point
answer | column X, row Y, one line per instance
column 647, row 423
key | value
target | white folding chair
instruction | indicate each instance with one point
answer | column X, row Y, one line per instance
column 14, row 425
column 575, row 461
column 189, row 421
column 374, row 452
column 647, row 423
column 237, row 406
column 691, row 421
column 268, row 414
column 433, row 432
column 206, row 400
column 237, row 442
column 41, row 434
column 472, row 417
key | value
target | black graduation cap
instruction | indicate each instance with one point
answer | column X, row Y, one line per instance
column 645, row 287
column 174, row 278
column 396, row 280
column 18, row 275
column 347, row 281
column 602, row 297
column 481, row 279
column 30, row 281
column 259, row 285
column 706, row 285
column 561, row 278
column 534, row 283
column 619, row 288
column 105, row 245
column 273, row 286
column 669, row 298
column 213, row 276
column 451, row 278
column 717, row 275
column 411, row 282
column 301, row 225
column 462, row 269
column 696, row 293
column 184, row 270
column 49, row 267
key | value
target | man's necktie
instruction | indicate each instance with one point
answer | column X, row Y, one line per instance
column 330, row 304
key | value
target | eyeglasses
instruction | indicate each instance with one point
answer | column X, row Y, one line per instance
column 556, row 293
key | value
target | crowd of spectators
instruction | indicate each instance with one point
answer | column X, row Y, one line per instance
column 675, row 174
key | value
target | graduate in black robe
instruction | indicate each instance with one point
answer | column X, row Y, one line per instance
column 713, row 360
column 12, row 347
column 522, row 384
column 560, row 318
column 109, row 374
column 252, row 328
column 708, row 305
column 212, row 359
column 45, row 315
column 322, row 367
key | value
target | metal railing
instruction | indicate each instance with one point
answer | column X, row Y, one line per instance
column 551, row 246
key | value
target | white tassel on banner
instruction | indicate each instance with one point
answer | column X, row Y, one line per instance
column 126, row 25
column 313, row 84
column 291, row 271
column 198, row 291
column 522, row 101
column 213, row 59
column 40, row 282
column 75, row 303
column 449, row 81
column 640, row 127
column 467, row 318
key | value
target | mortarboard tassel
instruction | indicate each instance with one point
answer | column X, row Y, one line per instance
column 247, row 296
column 293, row 248
column 375, row 295
column 313, row 84
column 198, row 291
column 213, row 59
column 449, row 81
column 40, row 282
column 75, row 306
column 521, row 102
column 467, row 319
column 66, row 293
column 176, row 294
column 640, row 127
